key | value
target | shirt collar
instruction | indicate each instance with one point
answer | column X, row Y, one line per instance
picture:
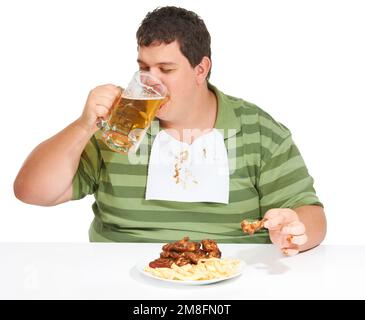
column 226, row 122
column 227, row 119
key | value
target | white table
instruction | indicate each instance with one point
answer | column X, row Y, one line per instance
column 107, row 271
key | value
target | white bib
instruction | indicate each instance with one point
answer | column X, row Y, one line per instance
column 198, row 172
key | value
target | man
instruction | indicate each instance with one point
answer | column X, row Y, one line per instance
column 267, row 176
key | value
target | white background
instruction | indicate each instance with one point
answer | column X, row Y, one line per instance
column 301, row 61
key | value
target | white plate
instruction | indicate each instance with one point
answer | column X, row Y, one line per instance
column 143, row 263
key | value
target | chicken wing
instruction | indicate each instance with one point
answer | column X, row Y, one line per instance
column 184, row 252
column 211, row 248
column 182, row 246
column 251, row 227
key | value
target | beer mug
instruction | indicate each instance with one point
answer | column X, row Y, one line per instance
column 132, row 112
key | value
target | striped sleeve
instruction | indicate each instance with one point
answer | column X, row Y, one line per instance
column 86, row 178
column 284, row 181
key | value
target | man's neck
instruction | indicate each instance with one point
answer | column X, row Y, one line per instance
column 200, row 121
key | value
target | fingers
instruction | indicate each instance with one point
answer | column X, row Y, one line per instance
column 104, row 94
column 299, row 240
column 113, row 89
column 278, row 217
column 274, row 223
column 103, row 101
column 295, row 228
column 101, row 110
column 291, row 247
column 285, row 212
column 287, row 240
column 295, row 233
column 289, row 251
column 285, row 230
column 108, row 92
column 98, row 104
column 288, row 243
column 102, row 98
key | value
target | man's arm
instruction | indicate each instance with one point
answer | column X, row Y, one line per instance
column 314, row 220
column 46, row 176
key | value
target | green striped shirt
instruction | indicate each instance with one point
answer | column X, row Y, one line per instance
column 266, row 171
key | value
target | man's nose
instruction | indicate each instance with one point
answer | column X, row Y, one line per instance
column 156, row 72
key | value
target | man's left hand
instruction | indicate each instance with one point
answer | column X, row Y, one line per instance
column 285, row 229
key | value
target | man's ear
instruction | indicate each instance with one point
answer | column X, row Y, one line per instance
column 202, row 70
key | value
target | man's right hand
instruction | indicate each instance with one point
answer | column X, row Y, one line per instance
column 98, row 105
column 57, row 158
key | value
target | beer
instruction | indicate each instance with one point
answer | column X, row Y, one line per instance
column 132, row 112
column 128, row 121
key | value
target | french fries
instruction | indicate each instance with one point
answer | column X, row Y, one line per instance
column 205, row 269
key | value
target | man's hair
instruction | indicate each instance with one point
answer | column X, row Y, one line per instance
column 167, row 24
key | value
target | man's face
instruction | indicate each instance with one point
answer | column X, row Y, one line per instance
column 167, row 63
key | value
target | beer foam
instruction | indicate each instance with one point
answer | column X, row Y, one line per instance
column 142, row 98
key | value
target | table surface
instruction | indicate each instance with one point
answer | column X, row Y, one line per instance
column 108, row 271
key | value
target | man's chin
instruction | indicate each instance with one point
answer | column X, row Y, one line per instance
column 160, row 117
column 161, row 113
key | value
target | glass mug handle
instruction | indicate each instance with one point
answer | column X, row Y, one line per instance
column 102, row 124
